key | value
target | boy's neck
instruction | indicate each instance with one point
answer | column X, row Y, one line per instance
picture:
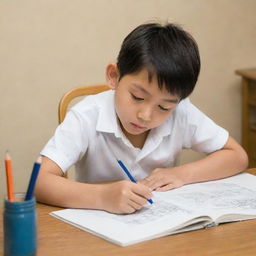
column 137, row 141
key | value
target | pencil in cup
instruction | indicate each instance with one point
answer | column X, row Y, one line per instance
column 130, row 176
column 33, row 178
column 9, row 178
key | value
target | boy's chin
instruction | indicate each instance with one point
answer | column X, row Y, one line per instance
column 135, row 133
column 129, row 129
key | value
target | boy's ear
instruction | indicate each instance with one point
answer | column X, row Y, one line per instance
column 112, row 75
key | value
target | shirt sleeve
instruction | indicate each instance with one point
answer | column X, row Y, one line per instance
column 201, row 133
column 69, row 142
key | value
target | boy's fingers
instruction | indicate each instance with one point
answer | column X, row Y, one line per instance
column 153, row 184
column 136, row 206
column 128, row 209
column 142, row 191
column 166, row 187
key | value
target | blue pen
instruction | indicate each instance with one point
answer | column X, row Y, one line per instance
column 130, row 176
column 33, row 178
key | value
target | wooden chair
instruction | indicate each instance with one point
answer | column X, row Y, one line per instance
column 77, row 92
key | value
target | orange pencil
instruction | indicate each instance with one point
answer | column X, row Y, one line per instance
column 8, row 168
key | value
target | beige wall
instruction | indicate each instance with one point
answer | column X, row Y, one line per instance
column 50, row 46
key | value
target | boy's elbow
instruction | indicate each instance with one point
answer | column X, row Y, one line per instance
column 239, row 158
column 242, row 159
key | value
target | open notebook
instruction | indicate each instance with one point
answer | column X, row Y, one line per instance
column 184, row 209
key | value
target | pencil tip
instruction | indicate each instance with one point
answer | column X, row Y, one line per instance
column 7, row 154
column 39, row 159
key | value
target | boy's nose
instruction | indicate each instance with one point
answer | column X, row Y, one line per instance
column 145, row 114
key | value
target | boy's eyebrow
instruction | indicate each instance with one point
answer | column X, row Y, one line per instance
column 145, row 91
column 171, row 100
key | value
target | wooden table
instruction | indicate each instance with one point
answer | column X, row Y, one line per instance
column 58, row 238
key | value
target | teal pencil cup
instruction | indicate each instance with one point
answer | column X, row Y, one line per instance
column 20, row 227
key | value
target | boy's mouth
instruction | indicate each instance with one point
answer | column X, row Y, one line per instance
column 136, row 126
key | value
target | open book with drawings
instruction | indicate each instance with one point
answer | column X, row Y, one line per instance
column 187, row 208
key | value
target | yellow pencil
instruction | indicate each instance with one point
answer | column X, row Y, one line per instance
column 9, row 179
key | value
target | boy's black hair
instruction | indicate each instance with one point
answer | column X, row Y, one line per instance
column 166, row 51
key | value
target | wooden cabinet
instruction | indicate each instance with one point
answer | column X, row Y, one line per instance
column 249, row 113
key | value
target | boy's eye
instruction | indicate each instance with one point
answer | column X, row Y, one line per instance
column 164, row 109
column 136, row 98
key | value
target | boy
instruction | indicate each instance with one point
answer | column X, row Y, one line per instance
column 145, row 120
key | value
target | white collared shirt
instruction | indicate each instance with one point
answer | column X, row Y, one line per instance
column 91, row 139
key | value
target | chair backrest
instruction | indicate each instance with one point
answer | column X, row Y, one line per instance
column 77, row 92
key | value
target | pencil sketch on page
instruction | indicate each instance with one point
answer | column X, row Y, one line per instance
column 147, row 214
column 216, row 195
column 186, row 201
column 157, row 210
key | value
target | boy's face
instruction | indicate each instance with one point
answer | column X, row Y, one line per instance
column 140, row 104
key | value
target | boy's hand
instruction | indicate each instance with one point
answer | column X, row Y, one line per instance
column 124, row 197
column 162, row 179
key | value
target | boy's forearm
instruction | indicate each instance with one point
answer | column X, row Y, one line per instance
column 59, row 191
column 116, row 197
column 220, row 164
